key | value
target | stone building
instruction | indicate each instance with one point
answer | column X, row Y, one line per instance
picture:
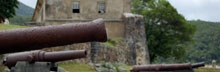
column 66, row 11
column 49, row 12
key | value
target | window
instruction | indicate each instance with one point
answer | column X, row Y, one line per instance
column 101, row 7
column 76, row 7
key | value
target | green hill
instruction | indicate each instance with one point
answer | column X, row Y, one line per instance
column 24, row 10
column 206, row 45
column 24, row 14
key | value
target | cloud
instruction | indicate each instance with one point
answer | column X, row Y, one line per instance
column 208, row 10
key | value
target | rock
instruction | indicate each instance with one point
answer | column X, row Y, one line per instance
column 91, row 64
column 60, row 69
column 113, row 70
column 109, row 67
column 122, row 69
column 7, row 70
column 102, row 69
column 98, row 65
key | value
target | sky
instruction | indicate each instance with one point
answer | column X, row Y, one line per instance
column 208, row 10
column 31, row 3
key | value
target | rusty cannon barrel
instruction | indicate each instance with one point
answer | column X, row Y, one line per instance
column 197, row 65
column 33, row 38
column 162, row 67
column 42, row 56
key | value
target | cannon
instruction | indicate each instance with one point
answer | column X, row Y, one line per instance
column 197, row 65
column 33, row 38
column 187, row 67
column 42, row 56
column 17, row 40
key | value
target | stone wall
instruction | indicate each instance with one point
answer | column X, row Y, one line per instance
column 117, row 54
column 136, row 39
column 132, row 49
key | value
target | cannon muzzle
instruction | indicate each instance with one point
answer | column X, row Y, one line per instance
column 42, row 56
column 17, row 40
column 196, row 65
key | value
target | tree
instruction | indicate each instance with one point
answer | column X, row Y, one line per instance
column 167, row 31
column 206, row 46
column 7, row 8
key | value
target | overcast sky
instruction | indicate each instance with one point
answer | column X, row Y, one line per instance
column 208, row 10
column 31, row 3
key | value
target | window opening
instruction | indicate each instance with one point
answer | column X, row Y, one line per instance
column 76, row 7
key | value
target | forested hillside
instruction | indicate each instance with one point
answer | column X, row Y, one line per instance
column 24, row 14
column 24, row 10
column 206, row 45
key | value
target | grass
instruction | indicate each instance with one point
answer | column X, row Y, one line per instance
column 5, row 27
column 84, row 67
column 77, row 67
column 71, row 67
column 207, row 70
column 2, row 68
column 128, row 68
column 112, row 42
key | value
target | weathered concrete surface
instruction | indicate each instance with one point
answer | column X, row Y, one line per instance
column 28, row 67
column 35, row 67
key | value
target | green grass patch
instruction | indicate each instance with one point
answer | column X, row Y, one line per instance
column 127, row 67
column 2, row 68
column 5, row 27
column 71, row 67
column 207, row 70
column 112, row 42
